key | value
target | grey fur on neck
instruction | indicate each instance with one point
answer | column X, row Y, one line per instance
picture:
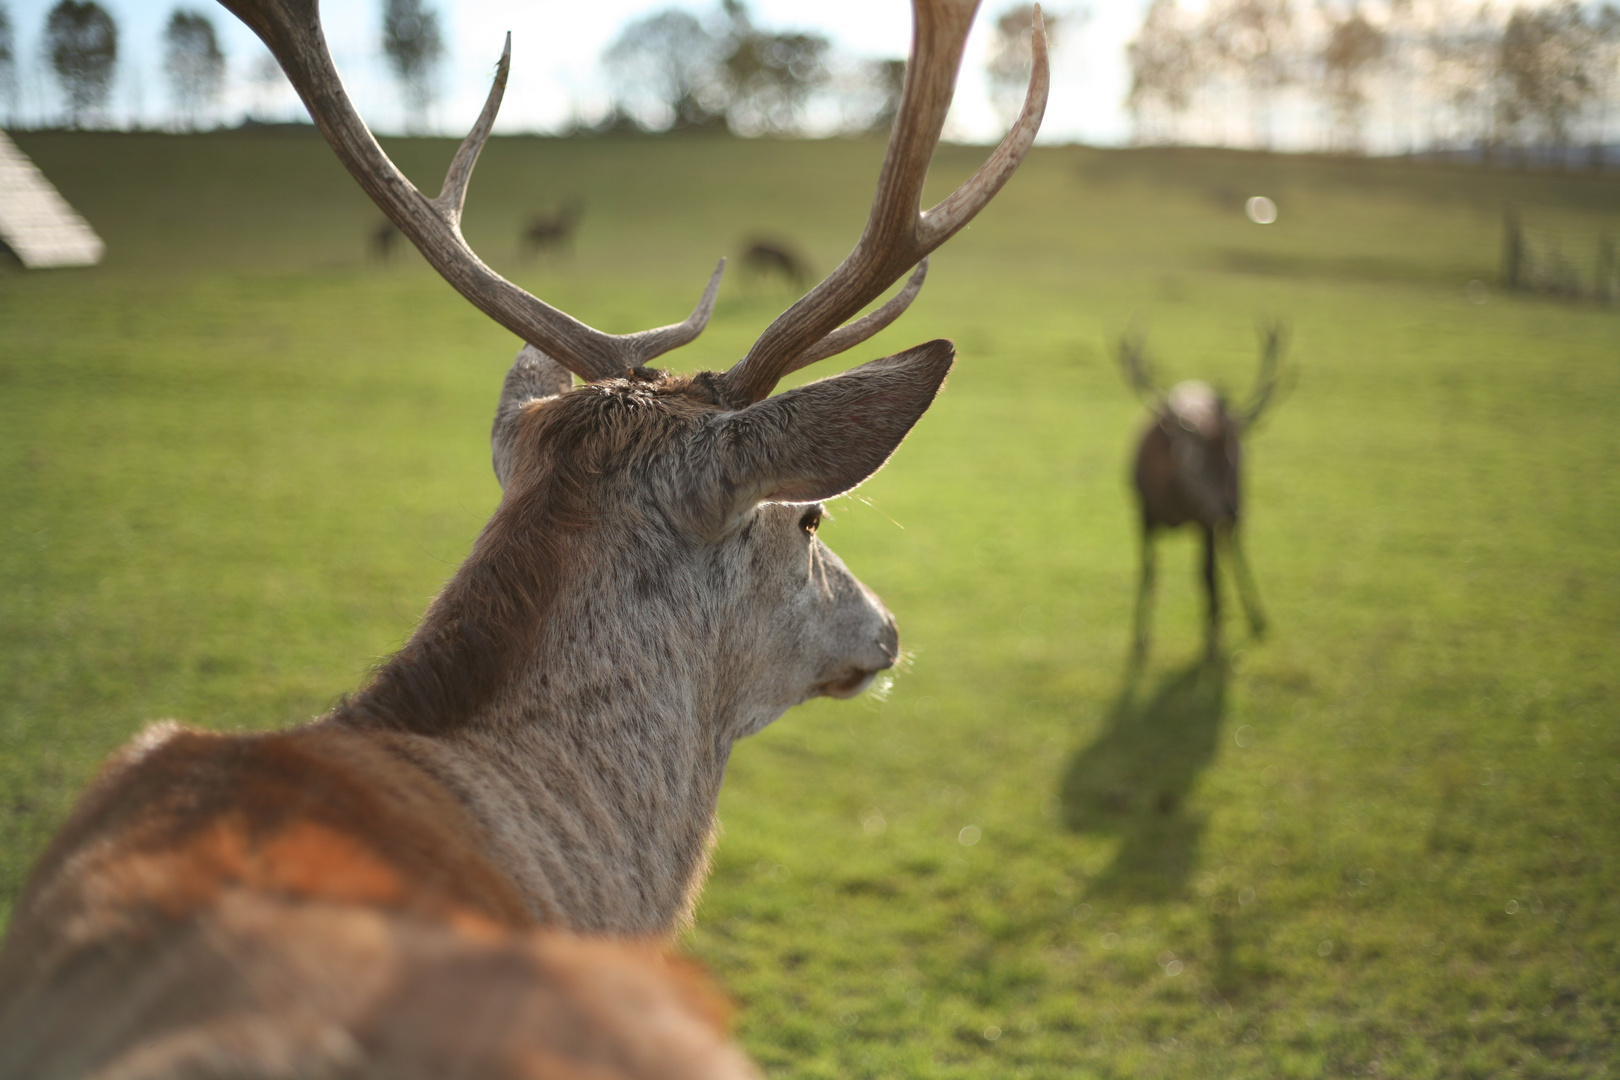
column 637, row 604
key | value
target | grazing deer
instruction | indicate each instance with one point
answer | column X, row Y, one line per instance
column 384, row 238
column 471, row 867
column 764, row 257
column 553, row 230
column 1189, row 467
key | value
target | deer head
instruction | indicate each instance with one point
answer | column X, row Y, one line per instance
column 652, row 587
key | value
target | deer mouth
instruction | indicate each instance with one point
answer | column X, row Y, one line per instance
column 851, row 685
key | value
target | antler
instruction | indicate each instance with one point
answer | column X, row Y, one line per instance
column 897, row 235
column 292, row 30
column 1133, row 362
column 1269, row 376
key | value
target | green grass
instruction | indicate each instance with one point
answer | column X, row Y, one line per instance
column 235, row 461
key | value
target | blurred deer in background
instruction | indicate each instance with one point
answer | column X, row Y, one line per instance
column 765, row 257
column 1189, row 471
column 471, row 867
column 382, row 241
column 553, row 230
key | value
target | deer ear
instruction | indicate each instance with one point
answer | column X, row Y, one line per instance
column 824, row 438
column 532, row 375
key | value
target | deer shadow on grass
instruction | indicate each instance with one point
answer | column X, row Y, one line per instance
column 1133, row 780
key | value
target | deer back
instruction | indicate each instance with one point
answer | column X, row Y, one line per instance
column 307, row 903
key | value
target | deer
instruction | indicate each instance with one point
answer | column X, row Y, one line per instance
column 553, row 230
column 1188, row 470
column 764, row 256
column 382, row 240
column 475, row 864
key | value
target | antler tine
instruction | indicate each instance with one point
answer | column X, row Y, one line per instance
column 1138, row 371
column 1270, row 374
column 852, row 334
column 454, row 192
column 956, row 210
column 292, row 31
column 897, row 235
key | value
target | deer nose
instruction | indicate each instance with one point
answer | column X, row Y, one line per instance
column 864, row 671
column 888, row 641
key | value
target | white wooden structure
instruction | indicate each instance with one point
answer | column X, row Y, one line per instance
column 35, row 221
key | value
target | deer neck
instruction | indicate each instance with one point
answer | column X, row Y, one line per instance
column 602, row 816
column 583, row 736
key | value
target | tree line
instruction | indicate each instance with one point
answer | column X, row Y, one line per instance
column 1419, row 76
column 80, row 50
column 80, row 47
column 674, row 69
column 1449, row 76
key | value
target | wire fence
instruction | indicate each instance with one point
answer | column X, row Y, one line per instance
column 1553, row 263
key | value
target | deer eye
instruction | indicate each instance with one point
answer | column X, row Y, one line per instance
column 811, row 520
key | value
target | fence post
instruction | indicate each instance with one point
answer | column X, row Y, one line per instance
column 1512, row 250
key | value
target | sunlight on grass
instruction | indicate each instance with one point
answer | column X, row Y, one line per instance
column 237, row 460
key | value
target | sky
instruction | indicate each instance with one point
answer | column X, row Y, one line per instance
column 555, row 60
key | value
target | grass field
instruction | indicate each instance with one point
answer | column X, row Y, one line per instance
column 236, row 460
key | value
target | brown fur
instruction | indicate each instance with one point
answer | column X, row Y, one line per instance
column 247, row 989
column 1189, row 474
column 555, row 229
column 315, row 812
column 309, row 904
column 765, row 257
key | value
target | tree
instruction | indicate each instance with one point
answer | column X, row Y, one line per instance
column 1459, row 79
column 1164, row 67
column 1250, row 40
column 1010, row 55
column 194, row 63
column 1353, row 46
column 1606, row 64
column 769, row 76
column 1545, row 69
column 269, row 88
column 8, row 64
column 672, row 70
column 81, row 41
column 882, row 83
column 665, row 70
column 414, row 47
